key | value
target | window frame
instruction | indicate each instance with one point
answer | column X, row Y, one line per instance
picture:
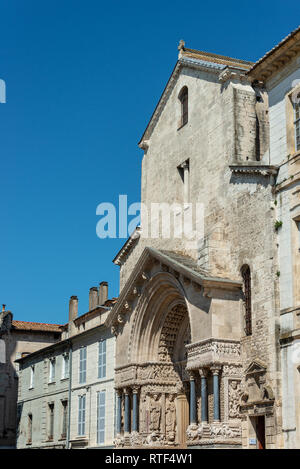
column 183, row 97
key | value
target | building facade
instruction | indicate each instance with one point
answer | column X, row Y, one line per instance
column 199, row 321
column 279, row 73
column 17, row 339
column 66, row 390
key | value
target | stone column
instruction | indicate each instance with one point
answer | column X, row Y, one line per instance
column 203, row 376
column 135, row 409
column 119, row 411
column 127, row 412
column 193, row 404
column 216, row 389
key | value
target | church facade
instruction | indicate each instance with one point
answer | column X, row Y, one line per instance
column 199, row 321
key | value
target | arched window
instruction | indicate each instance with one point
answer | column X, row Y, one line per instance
column 184, row 100
column 246, row 274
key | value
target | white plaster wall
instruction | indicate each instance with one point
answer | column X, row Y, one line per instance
column 278, row 87
column 92, row 386
column 36, row 400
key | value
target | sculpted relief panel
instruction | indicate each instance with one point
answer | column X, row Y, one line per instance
column 234, row 395
column 170, row 331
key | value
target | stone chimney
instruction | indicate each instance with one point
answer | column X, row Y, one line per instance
column 93, row 298
column 73, row 308
column 103, row 293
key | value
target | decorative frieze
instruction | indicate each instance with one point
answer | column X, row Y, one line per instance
column 205, row 433
column 213, row 351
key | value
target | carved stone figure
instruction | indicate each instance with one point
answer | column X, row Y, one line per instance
column 170, row 418
column 135, row 439
column 234, row 399
column 224, row 430
column 192, row 432
column 155, row 413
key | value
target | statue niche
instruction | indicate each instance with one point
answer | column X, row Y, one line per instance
column 255, row 387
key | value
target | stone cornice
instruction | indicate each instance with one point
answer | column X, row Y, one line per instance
column 232, row 73
column 291, row 180
column 127, row 247
column 277, row 58
column 209, row 352
column 262, row 170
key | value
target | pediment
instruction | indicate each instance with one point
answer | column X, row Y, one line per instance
column 193, row 59
column 178, row 265
column 256, row 367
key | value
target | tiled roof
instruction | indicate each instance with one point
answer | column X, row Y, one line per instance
column 216, row 58
column 185, row 260
column 110, row 302
column 36, row 326
column 276, row 48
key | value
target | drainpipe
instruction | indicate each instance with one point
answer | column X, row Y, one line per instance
column 69, row 399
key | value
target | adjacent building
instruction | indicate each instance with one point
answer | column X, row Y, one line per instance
column 66, row 390
column 17, row 339
column 279, row 73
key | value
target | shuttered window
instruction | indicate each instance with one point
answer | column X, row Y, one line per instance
column 65, row 366
column 31, row 384
column 82, row 365
column 64, row 418
column 29, row 439
column 102, row 359
column 81, row 415
column 101, row 417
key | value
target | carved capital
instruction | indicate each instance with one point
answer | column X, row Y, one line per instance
column 215, row 369
column 203, row 372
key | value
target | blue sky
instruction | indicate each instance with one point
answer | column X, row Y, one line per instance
column 83, row 78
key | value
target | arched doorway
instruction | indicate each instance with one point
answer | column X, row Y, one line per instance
column 160, row 331
column 164, row 410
